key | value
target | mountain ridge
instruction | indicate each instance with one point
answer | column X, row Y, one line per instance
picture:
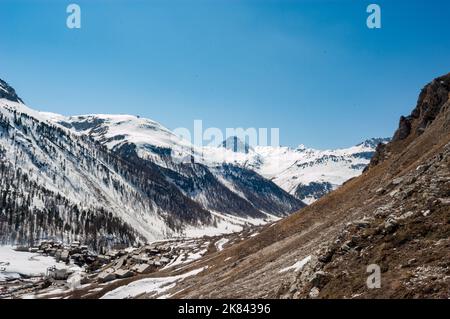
column 158, row 144
column 178, row 198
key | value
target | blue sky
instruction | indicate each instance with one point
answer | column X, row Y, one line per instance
column 311, row 68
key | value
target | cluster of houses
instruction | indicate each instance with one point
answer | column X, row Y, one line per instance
column 115, row 264
column 140, row 261
column 63, row 252
column 78, row 266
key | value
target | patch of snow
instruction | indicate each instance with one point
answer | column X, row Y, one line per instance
column 149, row 285
column 220, row 243
column 297, row 266
column 167, row 296
column 14, row 263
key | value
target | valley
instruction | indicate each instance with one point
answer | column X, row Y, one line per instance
column 158, row 228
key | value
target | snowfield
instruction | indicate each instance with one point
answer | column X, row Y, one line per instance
column 220, row 243
column 14, row 263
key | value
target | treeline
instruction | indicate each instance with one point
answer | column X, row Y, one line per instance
column 29, row 212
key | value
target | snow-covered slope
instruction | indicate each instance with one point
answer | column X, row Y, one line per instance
column 116, row 179
column 115, row 131
column 48, row 170
column 305, row 173
column 215, row 185
column 310, row 173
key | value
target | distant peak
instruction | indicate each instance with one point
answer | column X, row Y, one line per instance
column 7, row 92
column 373, row 142
column 236, row 145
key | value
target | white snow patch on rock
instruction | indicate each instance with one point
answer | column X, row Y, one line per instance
column 297, row 266
column 220, row 243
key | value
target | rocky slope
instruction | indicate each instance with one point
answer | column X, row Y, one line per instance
column 8, row 93
column 395, row 215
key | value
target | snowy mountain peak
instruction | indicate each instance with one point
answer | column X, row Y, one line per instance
column 301, row 147
column 115, row 130
column 373, row 142
column 305, row 173
column 7, row 92
column 236, row 145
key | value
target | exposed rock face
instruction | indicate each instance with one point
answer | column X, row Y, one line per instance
column 404, row 128
column 433, row 100
column 406, row 235
column 7, row 92
column 378, row 157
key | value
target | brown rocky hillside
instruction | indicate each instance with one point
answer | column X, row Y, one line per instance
column 395, row 215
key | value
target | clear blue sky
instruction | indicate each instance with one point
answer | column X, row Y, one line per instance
column 311, row 68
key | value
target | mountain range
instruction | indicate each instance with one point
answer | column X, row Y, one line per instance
column 305, row 173
column 121, row 179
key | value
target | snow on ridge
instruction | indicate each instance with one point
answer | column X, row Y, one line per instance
column 286, row 166
column 22, row 108
column 52, row 116
column 220, row 243
column 133, row 129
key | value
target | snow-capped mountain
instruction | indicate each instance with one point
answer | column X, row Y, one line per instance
column 215, row 185
column 113, row 179
column 57, row 184
column 305, row 173
column 121, row 178
column 309, row 173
